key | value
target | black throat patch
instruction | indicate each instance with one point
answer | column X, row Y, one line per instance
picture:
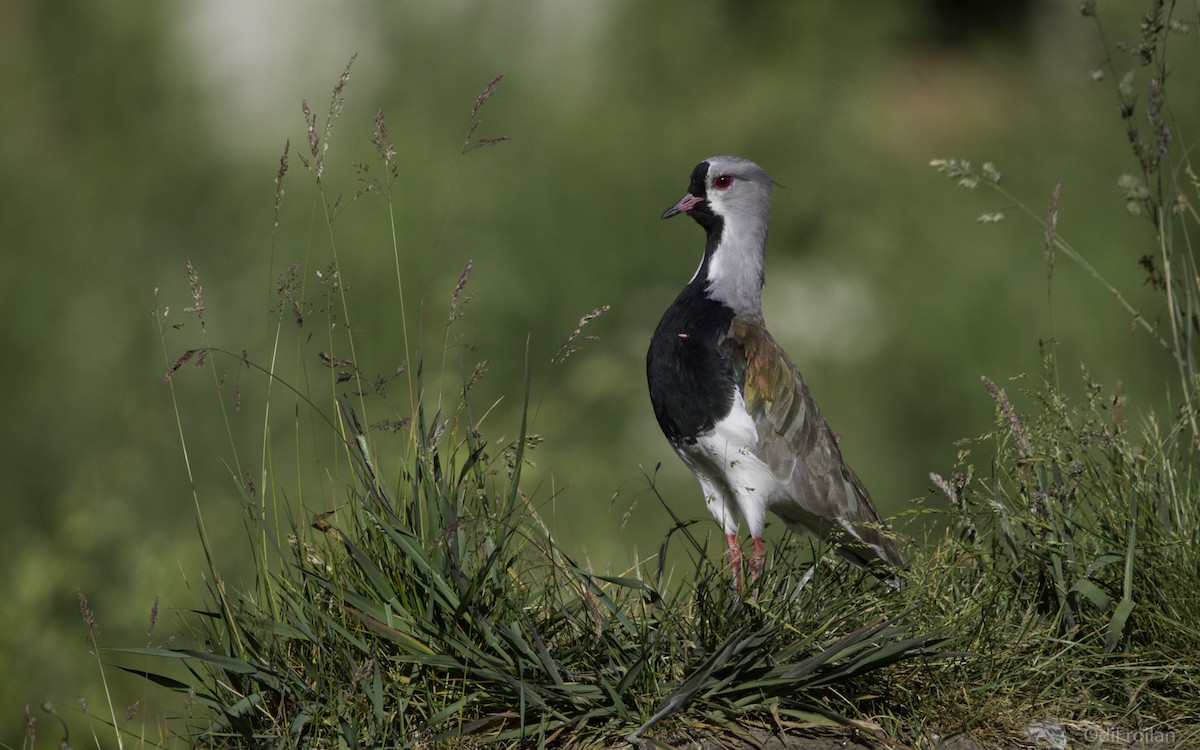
column 702, row 212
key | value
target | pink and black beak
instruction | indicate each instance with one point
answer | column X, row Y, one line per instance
column 685, row 205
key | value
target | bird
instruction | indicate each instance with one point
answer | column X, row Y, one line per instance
column 734, row 405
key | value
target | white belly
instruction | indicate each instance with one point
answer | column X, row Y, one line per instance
column 726, row 458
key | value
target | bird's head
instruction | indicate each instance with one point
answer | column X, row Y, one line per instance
column 724, row 191
column 731, row 199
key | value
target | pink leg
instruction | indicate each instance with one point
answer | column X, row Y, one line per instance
column 735, row 560
column 757, row 559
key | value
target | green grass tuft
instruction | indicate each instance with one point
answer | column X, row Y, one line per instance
column 443, row 608
column 1067, row 563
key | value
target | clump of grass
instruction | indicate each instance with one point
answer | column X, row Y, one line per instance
column 441, row 608
column 1066, row 563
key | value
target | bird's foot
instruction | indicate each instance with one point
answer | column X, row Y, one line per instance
column 735, row 561
column 758, row 559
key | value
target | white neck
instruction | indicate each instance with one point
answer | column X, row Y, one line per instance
column 735, row 270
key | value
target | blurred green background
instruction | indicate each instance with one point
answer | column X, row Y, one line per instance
column 137, row 138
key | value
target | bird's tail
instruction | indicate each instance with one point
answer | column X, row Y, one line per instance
column 867, row 546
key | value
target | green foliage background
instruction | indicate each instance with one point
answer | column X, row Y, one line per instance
column 138, row 139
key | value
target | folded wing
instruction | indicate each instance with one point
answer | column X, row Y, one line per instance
column 817, row 490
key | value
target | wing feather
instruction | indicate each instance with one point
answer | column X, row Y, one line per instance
column 818, row 489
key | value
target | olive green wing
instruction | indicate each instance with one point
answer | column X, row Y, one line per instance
column 820, row 491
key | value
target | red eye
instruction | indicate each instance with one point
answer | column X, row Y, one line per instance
column 722, row 182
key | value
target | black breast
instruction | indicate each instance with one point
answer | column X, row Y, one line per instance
column 691, row 385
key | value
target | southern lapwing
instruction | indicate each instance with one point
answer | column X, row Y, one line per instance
column 733, row 404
